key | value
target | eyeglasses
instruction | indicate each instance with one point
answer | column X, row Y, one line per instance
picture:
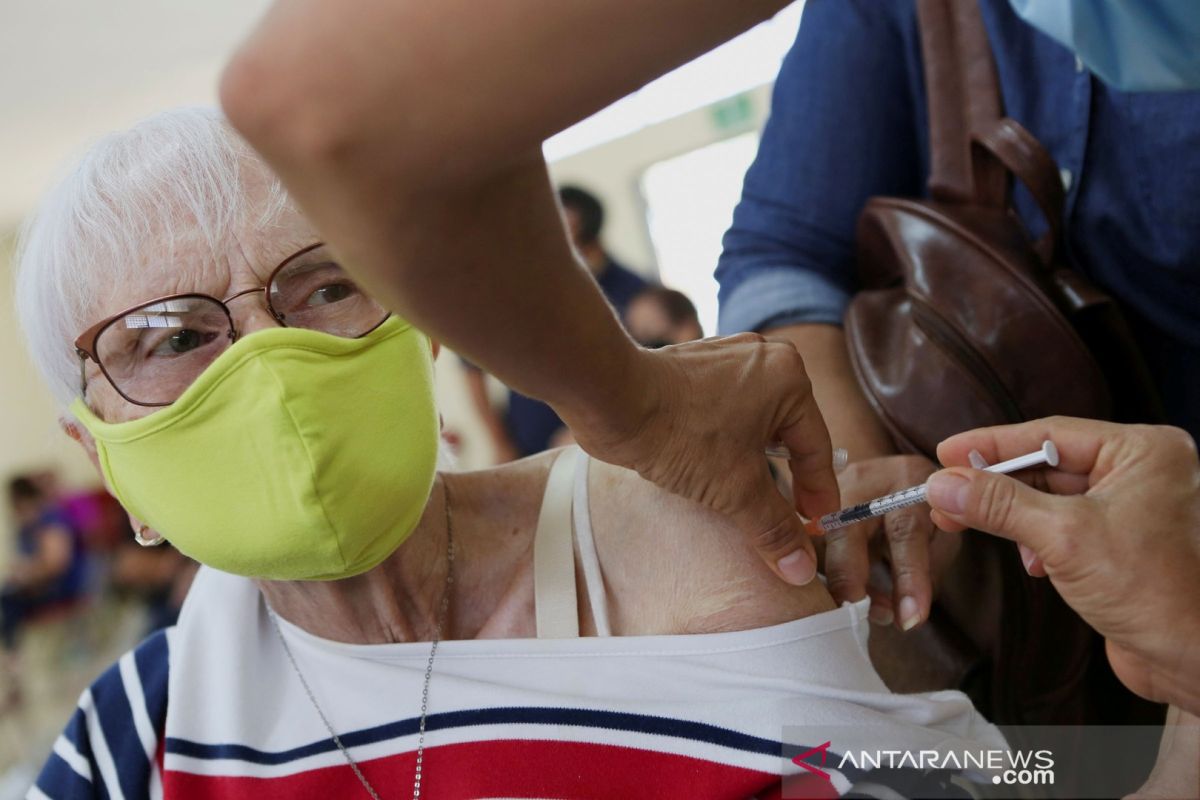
column 152, row 352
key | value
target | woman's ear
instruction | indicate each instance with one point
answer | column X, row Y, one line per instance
column 80, row 434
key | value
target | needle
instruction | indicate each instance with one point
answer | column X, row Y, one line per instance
column 1047, row 454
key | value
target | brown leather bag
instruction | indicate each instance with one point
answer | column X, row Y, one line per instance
column 967, row 322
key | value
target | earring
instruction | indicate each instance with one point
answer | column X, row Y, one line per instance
column 139, row 536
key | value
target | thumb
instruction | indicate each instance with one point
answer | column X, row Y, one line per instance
column 776, row 532
column 997, row 504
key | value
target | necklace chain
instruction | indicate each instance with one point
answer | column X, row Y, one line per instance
column 443, row 611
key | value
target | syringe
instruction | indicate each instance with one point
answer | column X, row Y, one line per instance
column 1048, row 454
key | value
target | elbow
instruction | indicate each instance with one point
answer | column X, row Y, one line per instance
column 333, row 122
column 284, row 109
column 313, row 121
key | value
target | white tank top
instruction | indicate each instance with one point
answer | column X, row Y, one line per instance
column 700, row 715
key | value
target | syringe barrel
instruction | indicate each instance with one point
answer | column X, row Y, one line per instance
column 875, row 508
column 1047, row 454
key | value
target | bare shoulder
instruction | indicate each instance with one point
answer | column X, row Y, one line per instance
column 501, row 503
column 673, row 566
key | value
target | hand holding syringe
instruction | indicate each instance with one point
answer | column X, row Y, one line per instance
column 1048, row 454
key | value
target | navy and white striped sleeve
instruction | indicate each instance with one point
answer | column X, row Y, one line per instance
column 109, row 748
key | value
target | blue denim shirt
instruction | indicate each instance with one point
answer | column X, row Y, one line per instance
column 849, row 122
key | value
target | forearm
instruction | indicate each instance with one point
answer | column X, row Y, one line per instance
column 1181, row 737
column 439, row 200
column 852, row 422
column 1176, row 771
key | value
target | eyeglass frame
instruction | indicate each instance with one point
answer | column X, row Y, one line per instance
column 85, row 343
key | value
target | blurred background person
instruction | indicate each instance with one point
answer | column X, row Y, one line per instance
column 527, row 426
column 584, row 216
column 47, row 573
column 659, row 316
column 49, row 569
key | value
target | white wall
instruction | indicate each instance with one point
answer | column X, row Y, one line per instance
column 30, row 438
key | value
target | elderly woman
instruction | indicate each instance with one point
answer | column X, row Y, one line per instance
column 365, row 624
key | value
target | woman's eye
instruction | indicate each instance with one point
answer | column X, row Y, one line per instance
column 330, row 294
column 182, row 341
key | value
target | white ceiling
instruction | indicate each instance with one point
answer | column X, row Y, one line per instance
column 71, row 70
column 742, row 63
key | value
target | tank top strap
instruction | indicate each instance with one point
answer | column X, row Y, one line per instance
column 555, row 604
column 593, row 578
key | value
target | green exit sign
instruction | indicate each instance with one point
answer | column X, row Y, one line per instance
column 736, row 112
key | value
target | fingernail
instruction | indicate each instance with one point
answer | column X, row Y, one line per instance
column 1027, row 557
column 910, row 613
column 948, row 492
column 797, row 568
column 880, row 615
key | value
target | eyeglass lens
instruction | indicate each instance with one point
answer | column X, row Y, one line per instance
column 153, row 353
column 313, row 291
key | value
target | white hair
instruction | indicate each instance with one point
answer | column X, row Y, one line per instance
column 178, row 177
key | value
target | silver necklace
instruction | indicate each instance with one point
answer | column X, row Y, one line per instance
column 437, row 635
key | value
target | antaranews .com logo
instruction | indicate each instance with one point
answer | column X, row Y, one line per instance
column 1048, row 762
column 1008, row 767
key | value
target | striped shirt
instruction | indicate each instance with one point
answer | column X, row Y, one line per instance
column 213, row 709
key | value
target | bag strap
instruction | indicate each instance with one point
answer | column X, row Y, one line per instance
column 1006, row 146
column 963, row 95
column 972, row 148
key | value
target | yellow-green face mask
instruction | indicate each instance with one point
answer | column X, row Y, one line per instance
column 296, row 455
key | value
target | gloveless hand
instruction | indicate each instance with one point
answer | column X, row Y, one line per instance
column 695, row 419
column 1116, row 527
column 896, row 558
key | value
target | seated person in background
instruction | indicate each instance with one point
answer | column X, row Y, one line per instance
column 527, row 425
column 48, row 571
column 552, row 627
column 49, row 567
column 659, row 316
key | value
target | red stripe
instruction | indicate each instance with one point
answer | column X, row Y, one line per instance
column 512, row 768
